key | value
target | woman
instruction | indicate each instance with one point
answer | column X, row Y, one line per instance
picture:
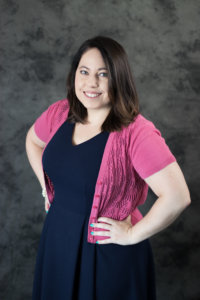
column 95, row 155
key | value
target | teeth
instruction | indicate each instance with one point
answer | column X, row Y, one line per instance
column 92, row 95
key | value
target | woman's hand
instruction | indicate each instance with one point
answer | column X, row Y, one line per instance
column 46, row 204
column 119, row 231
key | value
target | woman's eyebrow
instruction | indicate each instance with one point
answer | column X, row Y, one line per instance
column 89, row 69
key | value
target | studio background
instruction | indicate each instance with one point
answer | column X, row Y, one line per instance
column 37, row 41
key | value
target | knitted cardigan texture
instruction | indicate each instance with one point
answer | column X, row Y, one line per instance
column 130, row 156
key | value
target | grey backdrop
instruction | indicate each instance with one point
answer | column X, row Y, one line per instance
column 38, row 39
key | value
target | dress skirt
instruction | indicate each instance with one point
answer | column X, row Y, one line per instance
column 67, row 266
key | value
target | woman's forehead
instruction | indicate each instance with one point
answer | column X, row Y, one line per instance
column 92, row 57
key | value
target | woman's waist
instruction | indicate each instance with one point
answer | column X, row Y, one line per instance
column 73, row 205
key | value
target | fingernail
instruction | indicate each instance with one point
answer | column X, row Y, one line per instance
column 46, row 211
column 91, row 225
column 97, row 242
column 92, row 232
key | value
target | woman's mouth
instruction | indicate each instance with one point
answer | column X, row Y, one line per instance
column 92, row 94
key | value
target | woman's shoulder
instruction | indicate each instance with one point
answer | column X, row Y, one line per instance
column 54, row 115
column 58, row 109
column 141, row 122
column 60, row 104
column 140, row 129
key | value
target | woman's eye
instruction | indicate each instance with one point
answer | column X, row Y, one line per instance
column 82, row 71
column 104, row 74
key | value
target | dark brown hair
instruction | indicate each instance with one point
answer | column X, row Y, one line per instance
column 121, row 88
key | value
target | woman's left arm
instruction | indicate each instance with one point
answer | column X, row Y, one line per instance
column 173, row 197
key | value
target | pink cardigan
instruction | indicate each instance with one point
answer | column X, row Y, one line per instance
column 131, row 155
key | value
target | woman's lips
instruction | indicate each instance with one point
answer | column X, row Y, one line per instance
column 92, row 95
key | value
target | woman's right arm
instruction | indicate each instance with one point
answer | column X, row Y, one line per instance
column 34, row 149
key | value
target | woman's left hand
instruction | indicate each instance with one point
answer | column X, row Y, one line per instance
column 119, row 231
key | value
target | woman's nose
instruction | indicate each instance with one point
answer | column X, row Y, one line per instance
column 93, row 81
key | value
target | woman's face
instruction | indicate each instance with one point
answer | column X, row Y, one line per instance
column 91, row 80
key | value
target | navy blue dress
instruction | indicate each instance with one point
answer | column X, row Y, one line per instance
column 67, row 266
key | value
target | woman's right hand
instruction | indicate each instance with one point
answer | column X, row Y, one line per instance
column 47, row 204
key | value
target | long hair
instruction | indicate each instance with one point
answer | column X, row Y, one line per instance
column 121, row 88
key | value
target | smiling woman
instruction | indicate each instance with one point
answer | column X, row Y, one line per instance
column 95, row 156
column 101, row 67
column 92, row 85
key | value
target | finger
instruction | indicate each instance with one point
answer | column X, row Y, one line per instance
column 101, row 225
column 129, row 219
column 106, row 241
column 107, row 220
column 102, row 233
column 47, row 205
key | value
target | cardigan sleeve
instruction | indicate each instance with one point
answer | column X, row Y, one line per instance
column 43, row 124
column 148, row 150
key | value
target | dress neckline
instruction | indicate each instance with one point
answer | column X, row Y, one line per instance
column 86, row 141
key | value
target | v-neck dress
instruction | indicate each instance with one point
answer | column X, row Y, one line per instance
column 67, row 266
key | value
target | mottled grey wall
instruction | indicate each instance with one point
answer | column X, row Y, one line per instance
column 37, row 40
